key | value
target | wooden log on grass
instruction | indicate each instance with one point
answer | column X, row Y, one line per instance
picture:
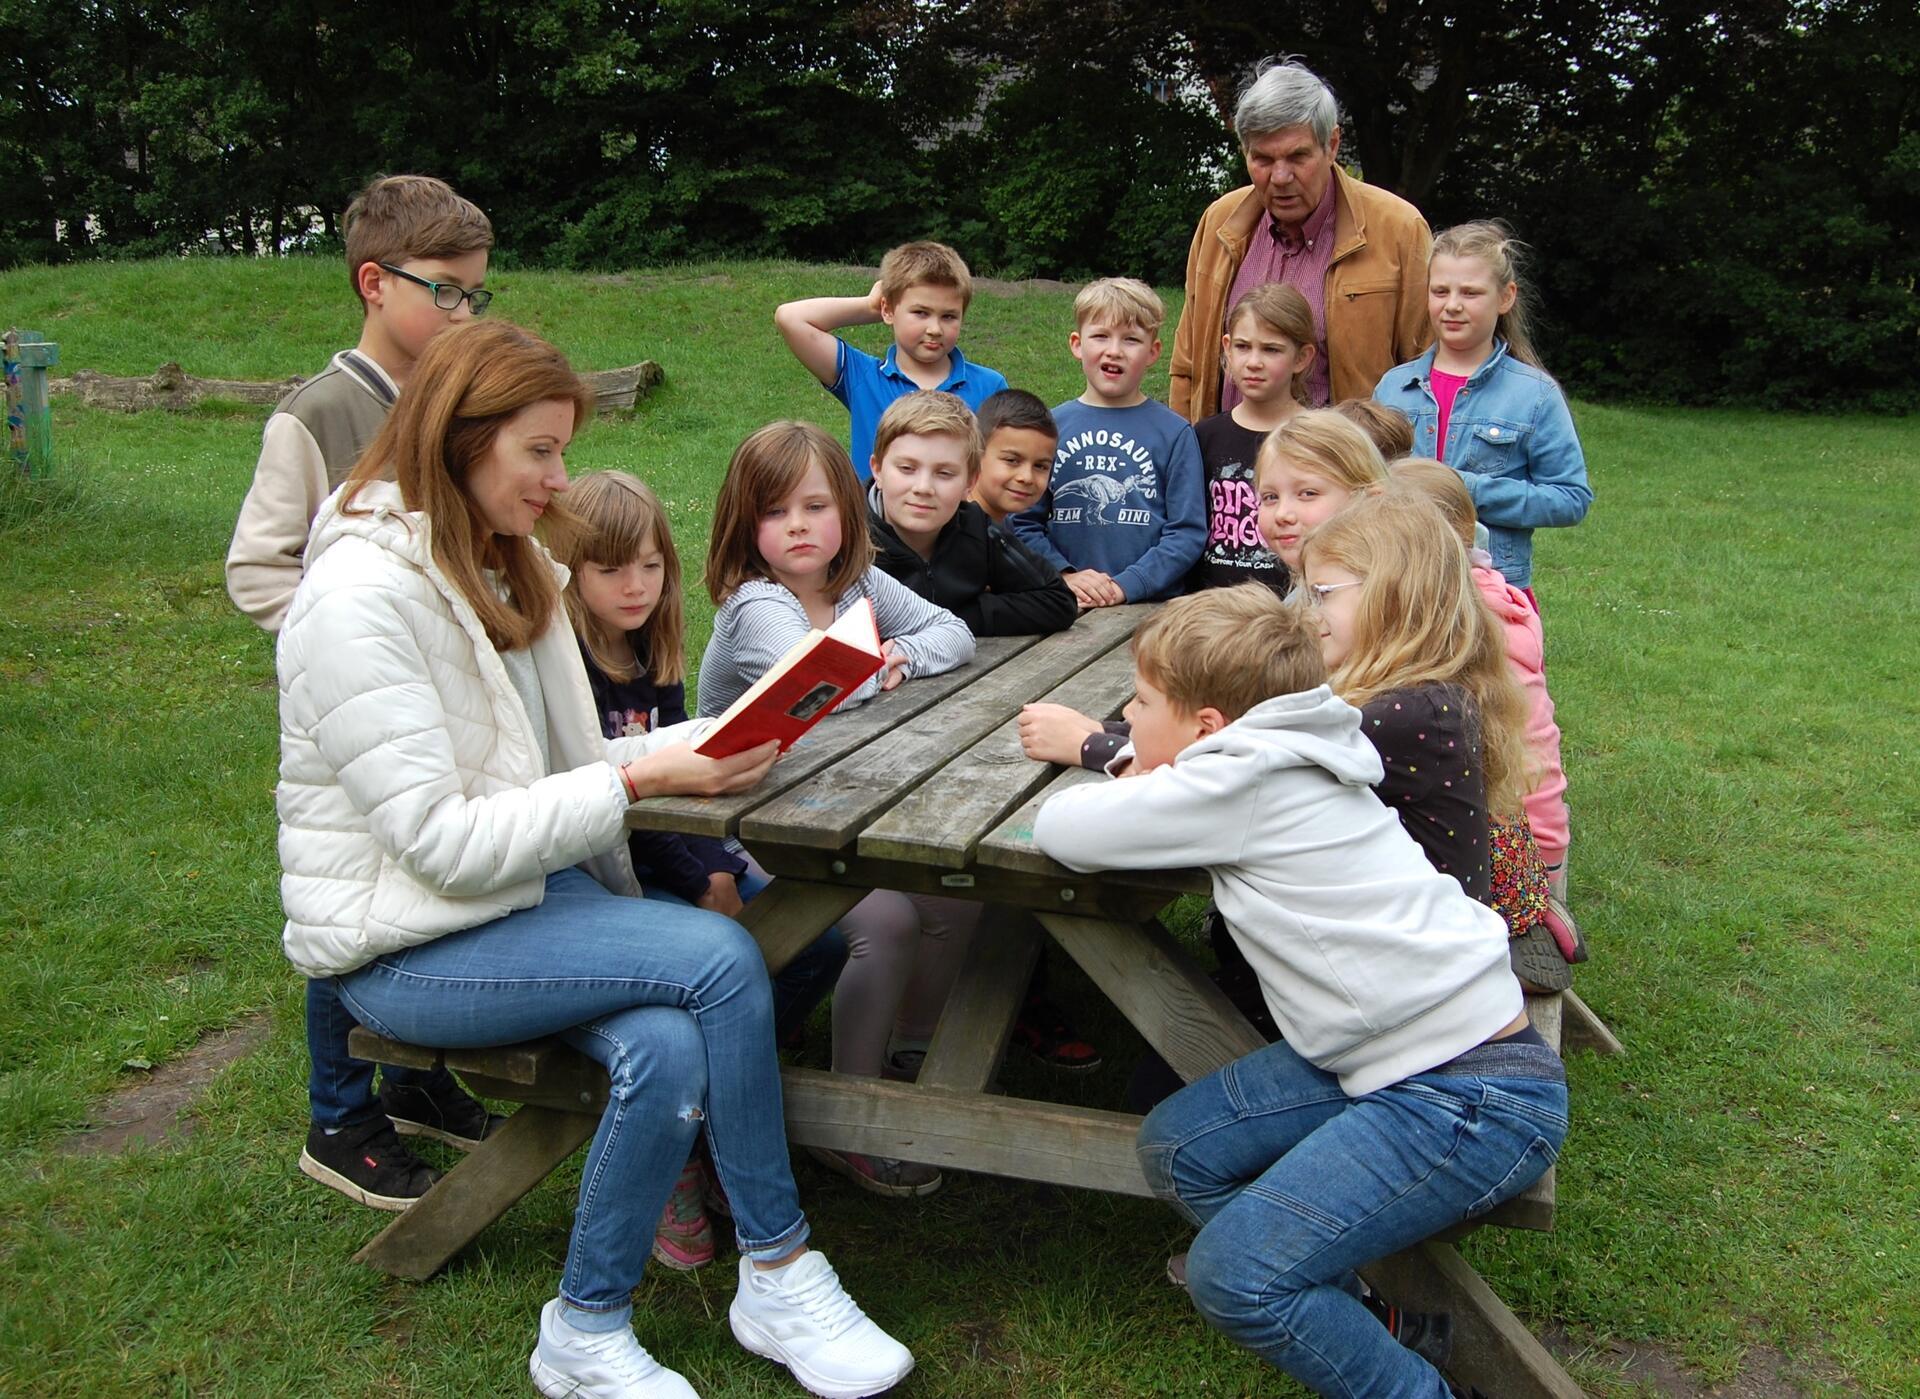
column 171, row 387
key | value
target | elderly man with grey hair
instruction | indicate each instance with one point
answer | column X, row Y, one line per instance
column 1357, row 253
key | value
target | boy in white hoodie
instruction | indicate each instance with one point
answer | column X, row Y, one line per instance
column 1409, row 1092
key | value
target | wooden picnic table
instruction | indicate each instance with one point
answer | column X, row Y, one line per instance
column 925, row 789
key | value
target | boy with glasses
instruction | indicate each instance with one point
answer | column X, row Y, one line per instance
column 416, row 256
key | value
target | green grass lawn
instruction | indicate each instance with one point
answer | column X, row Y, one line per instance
column 1732, row 650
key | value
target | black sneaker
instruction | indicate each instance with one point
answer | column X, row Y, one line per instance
column 367, row 1164
column 440, row 1109
column 1428, row 1335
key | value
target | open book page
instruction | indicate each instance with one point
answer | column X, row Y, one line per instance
column 802, row 687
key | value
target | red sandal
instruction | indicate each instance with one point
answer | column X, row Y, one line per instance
column 1044, row 1031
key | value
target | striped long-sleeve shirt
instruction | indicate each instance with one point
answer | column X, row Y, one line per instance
column 760, row 623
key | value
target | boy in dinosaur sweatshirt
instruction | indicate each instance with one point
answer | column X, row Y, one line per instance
column 1125, row 513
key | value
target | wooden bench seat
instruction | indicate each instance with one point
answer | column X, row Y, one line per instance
column 561, row 1094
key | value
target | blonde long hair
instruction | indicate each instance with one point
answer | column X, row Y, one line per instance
column 469, row 382
column 611, row 519
column 1421, row 621
column 1493, row 243
column 766, row 468
column 1325, row 442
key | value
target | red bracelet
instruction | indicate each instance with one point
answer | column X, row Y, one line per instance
column 633, row 793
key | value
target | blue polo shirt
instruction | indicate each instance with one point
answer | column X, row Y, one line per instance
column 867, row 385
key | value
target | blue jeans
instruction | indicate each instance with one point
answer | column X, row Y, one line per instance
column 339, row 1086
column 674, row 1001
column 1294, row 1185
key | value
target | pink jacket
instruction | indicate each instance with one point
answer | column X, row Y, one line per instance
column 1546, row 804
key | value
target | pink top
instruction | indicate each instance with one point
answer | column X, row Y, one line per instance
column 1546, row 804
column 1446, row 388
column 1298, row 262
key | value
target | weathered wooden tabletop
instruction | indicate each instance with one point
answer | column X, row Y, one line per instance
column 925, row 789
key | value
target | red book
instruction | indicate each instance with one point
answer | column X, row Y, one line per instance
column 802, row 688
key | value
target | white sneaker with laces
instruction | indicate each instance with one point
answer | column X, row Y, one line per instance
column 801, row 1316
column 598, row 1364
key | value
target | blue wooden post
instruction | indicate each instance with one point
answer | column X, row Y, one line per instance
column 29, row 414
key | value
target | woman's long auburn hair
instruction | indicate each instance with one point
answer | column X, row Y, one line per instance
column 611, row 519
column 766, row 469
column 470, row 381
column 1421, row 621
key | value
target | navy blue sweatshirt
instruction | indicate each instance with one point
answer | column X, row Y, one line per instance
column 679, row 864
column 1127, row 496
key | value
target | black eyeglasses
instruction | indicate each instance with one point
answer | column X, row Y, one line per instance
column 447, row 295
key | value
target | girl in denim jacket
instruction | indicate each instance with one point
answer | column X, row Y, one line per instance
column 1481, row 403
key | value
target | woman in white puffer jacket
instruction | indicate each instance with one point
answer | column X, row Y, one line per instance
column 454, row 857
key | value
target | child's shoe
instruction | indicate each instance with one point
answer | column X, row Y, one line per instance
column 903, row 1065
column 801, row 1316
column 1566, row 932
column 1537, row 962
column 1428, row 1335
column 598, row 1364
column 439, row 1108
column 683, row 1240
column 881, row 1175
column 1044, row 1031
column 367, row 1163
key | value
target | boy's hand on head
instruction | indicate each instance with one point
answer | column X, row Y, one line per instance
column 1092, row 588
column 1053, row 733
column 722, row 896
column 893, row 665
column 876, row 302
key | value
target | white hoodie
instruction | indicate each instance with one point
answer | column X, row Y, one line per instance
column 413, row 801
column 1375, row 965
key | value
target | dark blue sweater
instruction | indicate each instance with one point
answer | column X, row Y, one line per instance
column 679, row 864
column 1127, row 496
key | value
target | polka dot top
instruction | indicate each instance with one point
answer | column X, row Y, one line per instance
column 1428, row 738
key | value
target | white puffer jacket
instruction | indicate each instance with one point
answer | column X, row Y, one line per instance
column 411, row 799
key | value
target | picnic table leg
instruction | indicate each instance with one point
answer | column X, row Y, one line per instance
column 476, row 1192
column 987, row 996
column 1585, row 1030
column 1492, row 1350
column 1144, row 972
column 787, row 915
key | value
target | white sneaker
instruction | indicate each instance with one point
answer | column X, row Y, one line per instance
column 803, row 1318
column 598, row 1364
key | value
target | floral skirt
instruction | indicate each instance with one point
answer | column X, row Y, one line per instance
column 1519, row 885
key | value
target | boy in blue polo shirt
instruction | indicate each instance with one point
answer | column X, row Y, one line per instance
column 922, row 293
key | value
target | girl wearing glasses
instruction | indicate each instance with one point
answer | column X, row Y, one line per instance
column 1409, row 641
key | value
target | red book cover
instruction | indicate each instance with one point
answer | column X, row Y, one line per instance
column 802, row 688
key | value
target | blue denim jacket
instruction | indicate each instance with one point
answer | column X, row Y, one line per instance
column 1512, row 440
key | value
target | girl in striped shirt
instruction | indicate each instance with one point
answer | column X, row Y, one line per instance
column 790, row 552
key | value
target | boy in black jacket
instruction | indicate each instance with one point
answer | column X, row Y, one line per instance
column 931, row 537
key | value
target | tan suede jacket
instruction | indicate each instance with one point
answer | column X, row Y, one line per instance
column 1376, row 292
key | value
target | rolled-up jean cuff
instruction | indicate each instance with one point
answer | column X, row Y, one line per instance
column 598, row 1320
column 778, row 1248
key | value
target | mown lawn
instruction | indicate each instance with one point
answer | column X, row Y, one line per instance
column 1732, row 648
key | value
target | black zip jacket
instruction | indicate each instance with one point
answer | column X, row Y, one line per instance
column 980, row 573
